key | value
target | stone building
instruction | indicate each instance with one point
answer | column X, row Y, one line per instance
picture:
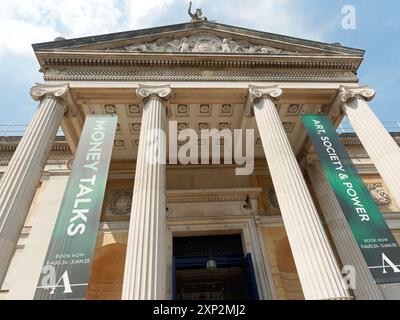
column 277, row 233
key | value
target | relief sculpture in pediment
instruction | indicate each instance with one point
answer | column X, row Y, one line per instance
column 203, row 43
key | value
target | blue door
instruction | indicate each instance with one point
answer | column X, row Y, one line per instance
column 251, row 279
column 233, row 278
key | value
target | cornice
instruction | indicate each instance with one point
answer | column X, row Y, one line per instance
column 12, row 146
column 351, row 138
column 56, row 173
column 201, row 60
column 114, row 226
column 354, row 146
column 391, row 218
column 59, row 154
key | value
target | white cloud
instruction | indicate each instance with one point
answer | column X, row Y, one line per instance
column 29, row 21
column 16, row 36
column 25, row 22
column 144, row 13
column 285, row 17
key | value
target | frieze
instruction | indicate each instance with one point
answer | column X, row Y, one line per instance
column 120, row 201
column 168, row 74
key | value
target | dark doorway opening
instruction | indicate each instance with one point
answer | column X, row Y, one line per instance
column 212, row 268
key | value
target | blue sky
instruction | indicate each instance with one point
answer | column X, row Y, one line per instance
column 29, row 21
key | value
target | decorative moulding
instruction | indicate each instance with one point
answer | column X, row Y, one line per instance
column 212, row 195
column 164, row 74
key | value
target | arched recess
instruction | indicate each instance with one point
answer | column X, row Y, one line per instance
column 107, row 274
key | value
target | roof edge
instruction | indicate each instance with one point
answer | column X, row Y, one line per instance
column 190, row 25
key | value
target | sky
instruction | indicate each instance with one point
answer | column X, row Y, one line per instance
column 376, row 29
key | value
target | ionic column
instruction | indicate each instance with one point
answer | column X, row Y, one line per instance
column 19, row 183
column 347, row 247
column 316, row 265
column 379, row 144
column 144, row 277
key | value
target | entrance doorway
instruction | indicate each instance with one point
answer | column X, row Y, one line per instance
column 212, row 268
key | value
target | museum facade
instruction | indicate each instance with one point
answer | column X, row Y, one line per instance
column 199, row 230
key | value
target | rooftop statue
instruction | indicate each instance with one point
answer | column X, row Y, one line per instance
column 197, row 16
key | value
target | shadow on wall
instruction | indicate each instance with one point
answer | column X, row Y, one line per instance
column 107, row 274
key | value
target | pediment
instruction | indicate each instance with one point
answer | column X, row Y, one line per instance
column 204, row 42
column 198, row 38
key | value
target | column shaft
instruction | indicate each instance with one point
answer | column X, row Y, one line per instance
column 20, row 181
column 379, row 144
column 31, row 259
column 318, row 270
column 145, row 267
column 346, row 245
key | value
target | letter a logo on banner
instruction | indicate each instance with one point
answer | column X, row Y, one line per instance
column 389, row 263
column 66, row 268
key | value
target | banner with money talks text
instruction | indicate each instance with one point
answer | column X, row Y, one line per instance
column 66, row 268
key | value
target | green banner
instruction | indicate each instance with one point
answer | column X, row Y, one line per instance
column 66, row 268
column 374, row 238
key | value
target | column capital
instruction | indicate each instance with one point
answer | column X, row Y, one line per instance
column 55, row 91
column 146, row 91
column 274, row 92
column 39, row 91
column 257, row 92
column 345, row 94
column 161, row 92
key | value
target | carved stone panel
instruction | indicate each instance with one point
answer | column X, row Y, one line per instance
column 273, row 201
column 203, row 43
column 120, row 202
column 380, row 195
